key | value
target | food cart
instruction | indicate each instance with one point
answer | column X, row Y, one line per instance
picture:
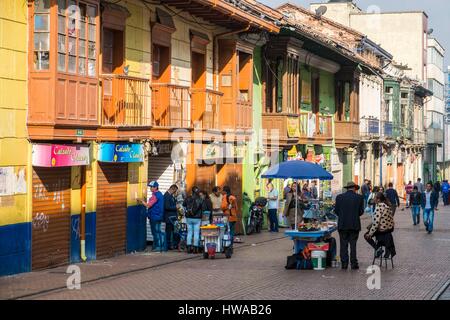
column 322, row 228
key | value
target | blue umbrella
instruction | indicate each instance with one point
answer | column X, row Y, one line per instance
column 297, row 169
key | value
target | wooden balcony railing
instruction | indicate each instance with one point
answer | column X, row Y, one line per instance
column 125, row 101
column 170, row 105
column 206, row 109
column 315, row 126
column 347, row 132
column 287, row 126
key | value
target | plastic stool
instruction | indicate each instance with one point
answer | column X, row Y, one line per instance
column 382, row 257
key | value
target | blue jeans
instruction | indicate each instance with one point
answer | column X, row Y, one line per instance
column 158, row 241
column 366, row 199
column 445, row 198
column 415, row 211
column 232, row 231
column 273, row 219
column 193, row 230
column 428, row 219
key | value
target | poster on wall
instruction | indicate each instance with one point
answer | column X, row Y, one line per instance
column 12, row 181
column 306, row 91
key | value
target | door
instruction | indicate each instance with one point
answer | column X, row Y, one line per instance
column 230, row 174
column 51, row 217
column 205, row 177
column 111, row 209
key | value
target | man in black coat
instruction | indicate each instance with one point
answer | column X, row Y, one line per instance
column 170, row 216
column 349, row 208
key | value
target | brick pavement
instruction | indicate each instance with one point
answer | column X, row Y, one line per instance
column 257, row 272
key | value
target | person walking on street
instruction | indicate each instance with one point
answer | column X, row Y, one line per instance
column 194, row 209
column 381, row 228
column 170, row 216
column 419, row 186
column 429, row 202
column 230, row 209
column 415, row 200
column 408, row 189
column 365, row 191
column 392, row 196
column 216, row 200
column 349, row 208
column 371, row 201
column 272, row 206
column 445, row 188
column 155, row 206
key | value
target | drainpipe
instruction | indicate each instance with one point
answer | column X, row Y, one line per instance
column 83, row 214
column 216, row 51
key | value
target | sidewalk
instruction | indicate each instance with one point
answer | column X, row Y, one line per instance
column 32, row 283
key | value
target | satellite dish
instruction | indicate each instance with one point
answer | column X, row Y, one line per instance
column 430, row 31
column 320, row 11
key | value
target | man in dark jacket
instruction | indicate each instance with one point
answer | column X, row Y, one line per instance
column 194, row 206
column 393, row 198
column 349, row 208
column 430, row 199
column 170, row 216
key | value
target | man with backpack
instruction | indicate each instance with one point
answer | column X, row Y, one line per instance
column 155, row 207
column 194, row 210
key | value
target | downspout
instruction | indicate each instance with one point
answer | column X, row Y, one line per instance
column 83, row 215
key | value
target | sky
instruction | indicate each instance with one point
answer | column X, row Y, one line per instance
column 438, row 12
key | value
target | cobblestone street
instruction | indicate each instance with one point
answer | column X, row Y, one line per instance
column 256, row 271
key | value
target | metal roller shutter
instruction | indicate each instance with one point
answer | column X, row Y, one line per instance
column 111, row 209
column 51, row 217
column 162, row 170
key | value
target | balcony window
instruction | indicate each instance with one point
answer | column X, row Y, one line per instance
column 76, row 47
column 41, row 35
column 245, row 76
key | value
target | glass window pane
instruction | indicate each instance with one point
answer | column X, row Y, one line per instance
column 61, row 62
column 72, row 46
column 41, row 60
column 61, row 43
column 91, row 50
column 61, row 24
column 92, row 32
column 81, row 66
column 91, row 13
column 72, row 67
column 41, row 22
column 71, row 28
column 82, row 12
column 41, row 42
column 62, row 7
column 91, row 68
column 82, row 33
column 41, row 5
column 82, row 48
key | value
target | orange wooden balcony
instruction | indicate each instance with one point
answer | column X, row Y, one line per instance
column 347, row 133
column 206, row 109
column 170, row 106
column 287, row 126
column 125, row 101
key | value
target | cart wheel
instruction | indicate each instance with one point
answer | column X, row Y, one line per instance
column 228, row 252
column 205, row 255
column 213, row 257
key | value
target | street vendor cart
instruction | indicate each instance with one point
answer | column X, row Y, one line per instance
column 312, row 235
column 216, row 237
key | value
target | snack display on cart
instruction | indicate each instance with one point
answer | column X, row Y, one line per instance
column 216, row 238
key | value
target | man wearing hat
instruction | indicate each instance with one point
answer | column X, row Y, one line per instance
column 155, row 207
column 349, row 208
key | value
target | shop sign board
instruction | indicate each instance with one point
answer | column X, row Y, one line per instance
column 121, row 152
column 57, row 155
column 293, row 127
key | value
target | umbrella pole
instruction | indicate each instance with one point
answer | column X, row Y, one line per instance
column 296, row 206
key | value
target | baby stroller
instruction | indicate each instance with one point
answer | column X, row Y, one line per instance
column 255, row 217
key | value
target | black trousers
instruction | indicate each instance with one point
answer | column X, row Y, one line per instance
column 346, row 238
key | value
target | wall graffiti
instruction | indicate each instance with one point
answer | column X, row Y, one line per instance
column 76, row 228
column 41, row 221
